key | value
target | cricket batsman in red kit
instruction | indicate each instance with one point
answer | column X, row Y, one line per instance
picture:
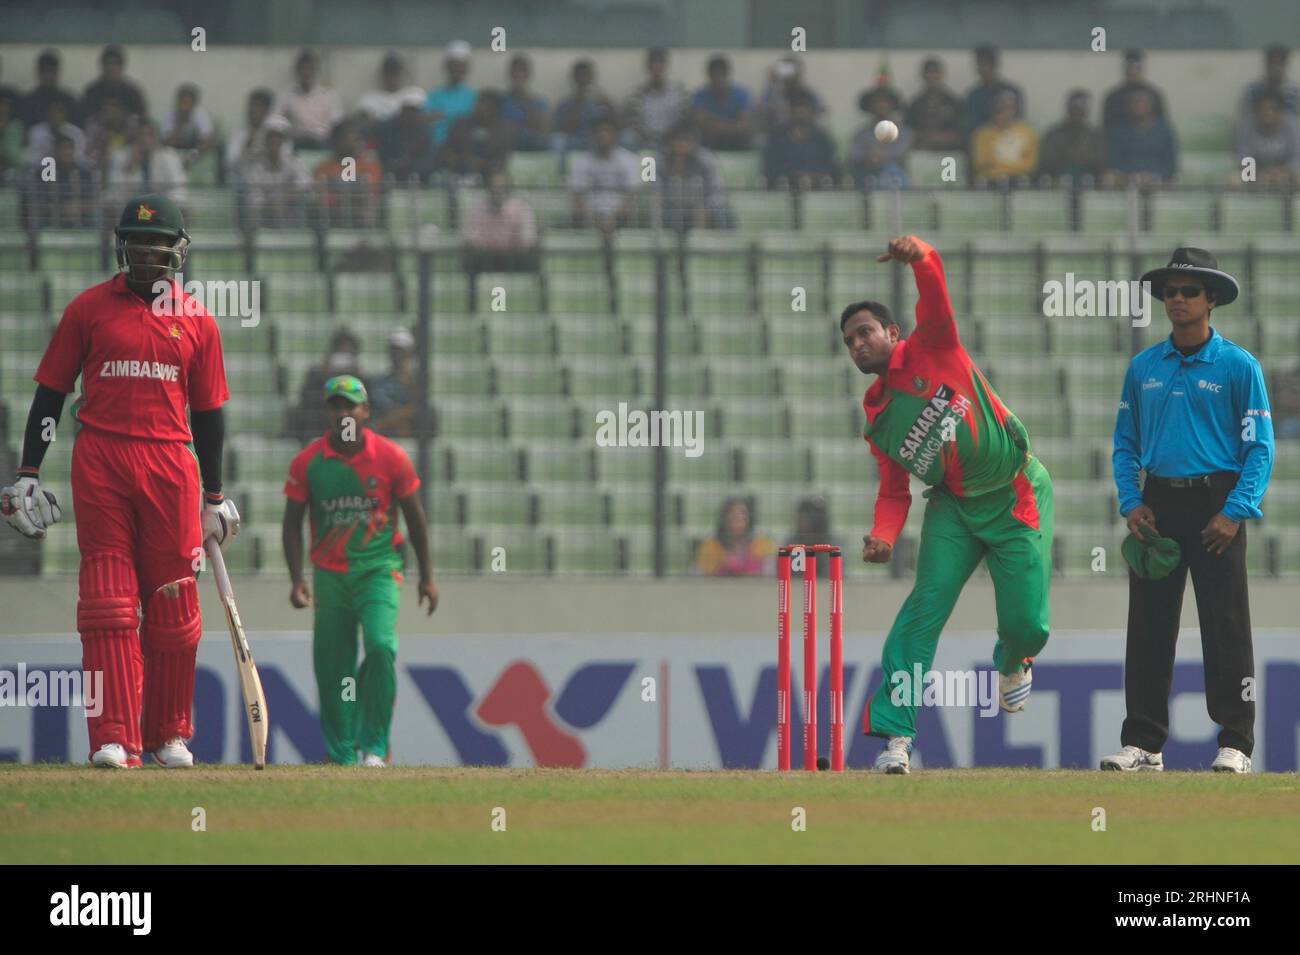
column 146, row 352
column 931, row 414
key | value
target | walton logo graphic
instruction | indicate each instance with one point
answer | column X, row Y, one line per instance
column 521, row 698
column 144, row 214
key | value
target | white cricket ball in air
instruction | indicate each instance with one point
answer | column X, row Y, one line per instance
column 886, row 131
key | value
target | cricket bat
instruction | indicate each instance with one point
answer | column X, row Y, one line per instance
column 249, row 681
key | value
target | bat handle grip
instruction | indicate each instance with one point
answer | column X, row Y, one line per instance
column 218, row 563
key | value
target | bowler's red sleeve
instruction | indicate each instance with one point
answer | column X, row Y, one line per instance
column 405, row 481
column 295, row 486
column 934, row 319
column 65, row 354
column 893, row 499
column 207, row 376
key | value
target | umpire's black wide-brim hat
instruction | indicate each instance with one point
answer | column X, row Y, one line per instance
column 1198, row 262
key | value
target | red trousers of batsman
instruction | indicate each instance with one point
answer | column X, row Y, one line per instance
column 139, row 530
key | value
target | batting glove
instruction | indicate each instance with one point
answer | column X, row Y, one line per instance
column 220, row 518
column 29, row 509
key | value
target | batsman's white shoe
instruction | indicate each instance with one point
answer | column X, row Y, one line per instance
column 1133, row 759
column 110, row 756
column 373, row 761
column 1013, row 691
column 174, row 754
column 896, row 758
column 1231, row 760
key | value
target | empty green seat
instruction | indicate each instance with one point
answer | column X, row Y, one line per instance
column 560, row 462
column 769, row 462
column 599, row 377
column 968, row 211
column 1035, row 211
column 1070, row 458
column 485, row 460
column 64, row 286
column 563, row 505
column 834, row 420
column 743, row 378
column 461, row 375
column 284, row 250
column 453, row 551
column 26, row 331
column 539, row 377
column 459, row 417
column 750, row 418
column 631, row 467
column 798, row 334
column 822, row 212
column 758, row 211
column 305, row 291
column 528, row 418
column 1247, row 216
column 497, row 503
column 1011, row 335
column 80, row 250
column 583, row 551
column 589, row 335
column 1190, row 213
column 457, row 335
column 522, row 550
column 1108, row 213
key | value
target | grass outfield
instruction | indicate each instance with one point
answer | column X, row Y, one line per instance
column 330, row 814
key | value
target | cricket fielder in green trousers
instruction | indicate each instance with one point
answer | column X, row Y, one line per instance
column 932, row 414
column 352, row 479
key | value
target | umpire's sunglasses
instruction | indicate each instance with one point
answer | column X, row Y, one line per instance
column 1186, row 291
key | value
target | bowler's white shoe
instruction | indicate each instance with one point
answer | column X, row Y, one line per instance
column 1013, row 691
column 174, row 754
column 373, row 761
column 895, row 759
column 1132, row 759
column 1231, row 760
column 110, row 756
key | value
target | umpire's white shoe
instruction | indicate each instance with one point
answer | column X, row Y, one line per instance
column 1231, row 760
column 895, row 759
column 373, row 761
column 174, row 754
column 110, row 756
column 1133, row 758
column 1013, row 691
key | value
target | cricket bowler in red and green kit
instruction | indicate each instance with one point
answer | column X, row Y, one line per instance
column 353, row 480
column 147, row 353
column 931, row 414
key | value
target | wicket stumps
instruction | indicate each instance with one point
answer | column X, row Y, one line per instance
column 783, row 559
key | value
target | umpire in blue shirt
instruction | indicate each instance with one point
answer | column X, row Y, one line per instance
column 1194, row 417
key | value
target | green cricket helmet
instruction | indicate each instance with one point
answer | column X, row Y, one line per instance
column 151, row 224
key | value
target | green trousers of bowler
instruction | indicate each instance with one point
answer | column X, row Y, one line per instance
column 356, row 706
column 1010, row 528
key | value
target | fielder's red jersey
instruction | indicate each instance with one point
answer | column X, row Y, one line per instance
column 139, row 369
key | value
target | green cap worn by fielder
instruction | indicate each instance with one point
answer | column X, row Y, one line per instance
column 1153, row 559
column 346, row 386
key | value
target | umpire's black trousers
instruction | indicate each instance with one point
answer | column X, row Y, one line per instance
column 1223, row 605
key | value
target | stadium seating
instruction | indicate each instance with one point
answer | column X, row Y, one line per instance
column 748, row 324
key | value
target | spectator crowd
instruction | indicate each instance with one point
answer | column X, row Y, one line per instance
column 304, row 154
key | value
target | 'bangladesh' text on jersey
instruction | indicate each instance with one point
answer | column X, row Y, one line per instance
column 934, row 415
column 352, row 502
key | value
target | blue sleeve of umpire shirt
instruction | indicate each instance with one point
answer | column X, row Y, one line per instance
column 1126, row 458
column 1250, row 401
